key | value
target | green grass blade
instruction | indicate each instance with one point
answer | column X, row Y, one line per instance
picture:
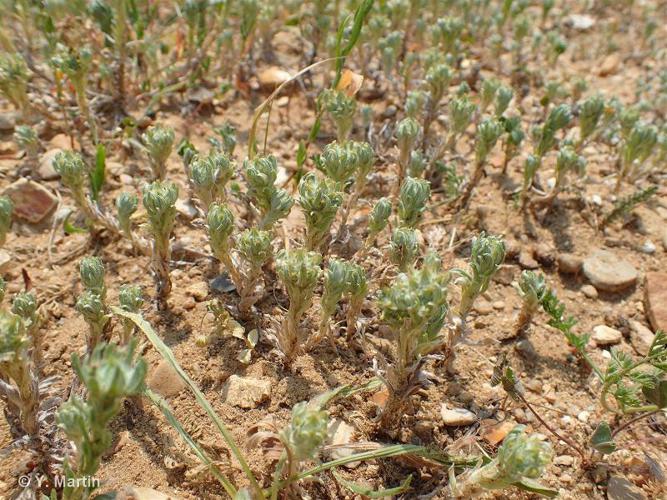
column 163, row 406
column 168, row 355
column 370, row 492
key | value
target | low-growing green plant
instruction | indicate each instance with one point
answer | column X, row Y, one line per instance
column 159, row 199
column 403, row 248
column 412, row 200
column 488, row 133
column 272, row 203
column 636, row 148
column 414, row 307
column 377, row 221
column 159, row 142
column 6, row 210
column 356, row 291
column 319, row 200
column 341, row 109
column 520, row 461
column 110, row 374
column 14, row 81
column 126, row 206
column 26, row 138
column 254, row 248
column 18, row 378
column 625, row 205
column 299, row 270
column 514, row 136
column 590, row 113
column 335, row 285
column 130, row 299
column 531, row 287
column 209, row 176
column 407, row 137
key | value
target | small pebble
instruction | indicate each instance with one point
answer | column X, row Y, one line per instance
column 583, row 416
column 604, row 335
column 648, row 247
column 499, row 305
column 565, row 460
column 589, row 291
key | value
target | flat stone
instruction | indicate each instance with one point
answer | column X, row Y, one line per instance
column 527, row 261
column 505, row 274
column 137, row 493
column 8, row 148
column 186, row 209
column 569, row 264
column 565, row 460
column 608, row 272
column 609, row 65
column 341, row 433
column 494, row 433
column 580, row 22
column 165, row 381
column 483, row 307
column 619, row 488
column 604, row 335
column 7, row 121
column 63, row 141
column 655, row 300
column 589, row 291
column 222, row 284
column 641, row 337
column 5, row 260
column 499, row 305
column 45, row 170
column 199, row 291
column 32, row 201
column 246, row 392
column 457, row 416
column 272, row 77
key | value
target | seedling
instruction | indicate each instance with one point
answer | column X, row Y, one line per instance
column 335, row 285
column 341, row 109
column 403, row 248
column 532, row 288
column 254, row 248
column 637, row 147
column 6, row 209
column 131, row 300
column 159, row 141
column 272, row 203
column 209, row 177
column 110, row 374
column 14, row 81
column 159, row 199
column 624, row 206
column 319, row 200
column 412, row 201
column 377, row 221
column 299, row 271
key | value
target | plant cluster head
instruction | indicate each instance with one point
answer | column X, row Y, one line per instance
column 319, row 200
column 489, row 88
column 379, row 216
column 532, row 288
column 74, row 63
column 488, row 132
column 640, row 143
column 341, row 108
column 126, row 206
column 159, row 141
column 412, row 200
column 24, row 305
column 159, row 199
column 487, row 254
column 72, row 170
column 407, row 135
column 403, row 248
column 131, row 298
column 14, row 79
column 254, row 245
column 342, row 162
column 91, row 271
column 590, row 113
column 220, row 220
column 503, row 98
column 110, row 374
column 438, row 78
column 6, row 210
column 567, row 160
column 299, row 270
column 209, row 176
column 14, row 343
column 93, row 309
column 27, row 139
column 306, row 432
column 335, row 285
column 558, row 118
column 520, row 458
column 461, row 110
column 415, row 307
column 273, row 203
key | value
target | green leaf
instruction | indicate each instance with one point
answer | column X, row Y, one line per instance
column 533, row 486
column 369, row 492
column 97, row 176
column 657, row 394
column 602, row 440
column 70, row 228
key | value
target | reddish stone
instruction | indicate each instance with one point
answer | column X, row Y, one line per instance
column 656, row 300
column 32, row 201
